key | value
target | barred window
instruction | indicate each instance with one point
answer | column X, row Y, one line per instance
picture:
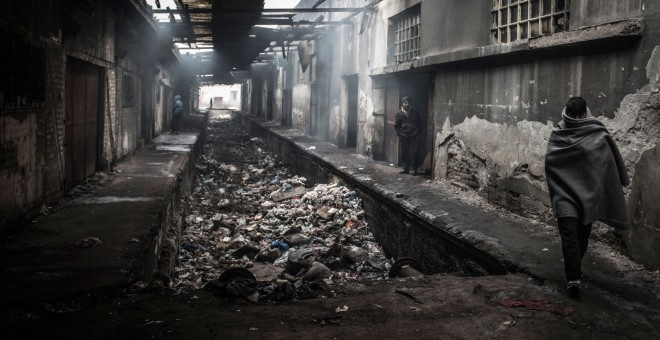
column 522, row 19
column 407, row 35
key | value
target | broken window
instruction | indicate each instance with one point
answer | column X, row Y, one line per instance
column 128, row 90
column 522, row 19
column 406, row 32
column 23, row 76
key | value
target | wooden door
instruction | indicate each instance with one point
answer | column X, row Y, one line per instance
column 82, row 93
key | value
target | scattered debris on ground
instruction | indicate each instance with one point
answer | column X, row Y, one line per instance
column 292, row 239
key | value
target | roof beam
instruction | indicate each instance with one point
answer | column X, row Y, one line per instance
column 282, row 22
column 271, row 10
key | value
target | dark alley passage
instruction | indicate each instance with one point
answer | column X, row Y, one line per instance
column 228, row 226
column 206, row 169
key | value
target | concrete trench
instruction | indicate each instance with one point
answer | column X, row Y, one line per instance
column 402, row 231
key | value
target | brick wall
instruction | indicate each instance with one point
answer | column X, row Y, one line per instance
column 54, row 124
column 32, row 136
column 32, row 144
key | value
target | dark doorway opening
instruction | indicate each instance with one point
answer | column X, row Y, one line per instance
column 415, row 86
column 147, row 108
column 269, row 105
column 352, row 117
column 287, row 107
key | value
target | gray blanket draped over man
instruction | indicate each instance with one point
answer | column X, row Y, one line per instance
column 585, row 172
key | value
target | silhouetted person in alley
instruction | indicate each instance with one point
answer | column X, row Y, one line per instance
column 177, row 112
column 407, row 125
column 585, row 174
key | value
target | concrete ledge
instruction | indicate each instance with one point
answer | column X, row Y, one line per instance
column 136, row 213
column 616, row 30
column 631, row 28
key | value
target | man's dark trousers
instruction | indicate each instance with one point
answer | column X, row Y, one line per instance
column 409, row 151
column 574, row 242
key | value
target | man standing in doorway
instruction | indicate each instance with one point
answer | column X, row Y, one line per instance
column 585, row 174
column 407, row 125
column 177, row 112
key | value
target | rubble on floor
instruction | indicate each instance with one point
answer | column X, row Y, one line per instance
column 257, row 232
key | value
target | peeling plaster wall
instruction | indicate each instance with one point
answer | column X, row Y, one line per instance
column 337, row 55
column 278, row 81
column 300, row 114
column 495, row 105
column 162, row 103
column 493, row 117
column 365, row 131
column 636, row 129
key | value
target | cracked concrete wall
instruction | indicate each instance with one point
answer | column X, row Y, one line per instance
column 493, row 113
column 278, row 82
column 300, row 111
column 636, row 128
column 37, row 137
column 493, row 120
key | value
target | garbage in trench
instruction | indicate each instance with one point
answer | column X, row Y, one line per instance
column 87, row 242
column 246, row 209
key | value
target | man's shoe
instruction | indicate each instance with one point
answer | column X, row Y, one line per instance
column 573, row 288
column 404, row 172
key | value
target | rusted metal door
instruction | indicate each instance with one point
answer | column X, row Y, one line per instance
column 391, row 108
column 83, row 83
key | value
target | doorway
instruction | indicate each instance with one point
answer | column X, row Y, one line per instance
column 147, row 108
column 352, row 116
column 287, row 108
column 82, row 109
column 415, row 86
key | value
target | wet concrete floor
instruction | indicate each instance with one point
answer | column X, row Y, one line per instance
column 442, row 306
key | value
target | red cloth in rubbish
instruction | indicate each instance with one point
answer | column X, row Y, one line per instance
column 541, row 305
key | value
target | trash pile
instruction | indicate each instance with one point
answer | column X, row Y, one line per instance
column 257, row 232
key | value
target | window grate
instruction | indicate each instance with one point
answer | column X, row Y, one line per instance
column 522, row 19
column 407, row 36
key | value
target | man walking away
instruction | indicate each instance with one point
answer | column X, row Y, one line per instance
column 406, row 125
column 585, row 174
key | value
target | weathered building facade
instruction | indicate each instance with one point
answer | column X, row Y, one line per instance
column 85, row 83
column 491, row 78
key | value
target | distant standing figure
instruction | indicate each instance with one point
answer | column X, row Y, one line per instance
column 585, row 174
column 211, row 103
column 177, row 112
column 407, row 125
